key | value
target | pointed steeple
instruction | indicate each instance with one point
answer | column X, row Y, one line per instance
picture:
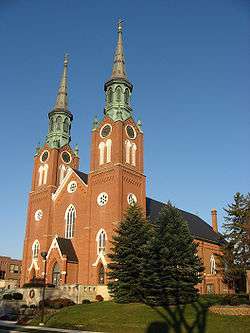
column 118, row 89
column 62, row 96
column 60, row 117
column 118, row 70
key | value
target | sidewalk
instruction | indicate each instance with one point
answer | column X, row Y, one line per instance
column 11, row 326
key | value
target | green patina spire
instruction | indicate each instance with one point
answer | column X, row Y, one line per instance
column 118, row 89
column 60, row 118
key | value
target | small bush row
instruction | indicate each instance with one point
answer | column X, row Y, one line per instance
column 230, row 299
column 57, row 303
column 13, row 296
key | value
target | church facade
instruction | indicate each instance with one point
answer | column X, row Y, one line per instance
column 72, row 215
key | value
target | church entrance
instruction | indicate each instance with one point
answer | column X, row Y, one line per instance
column 101, row 274
column 56, row 274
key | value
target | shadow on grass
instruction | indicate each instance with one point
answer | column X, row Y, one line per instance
column 175, row 319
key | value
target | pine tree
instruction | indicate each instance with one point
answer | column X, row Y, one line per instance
column 236, row 254
column 172, row 269
column 129, row 244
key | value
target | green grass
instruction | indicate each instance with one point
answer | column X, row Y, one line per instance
column 136, row 318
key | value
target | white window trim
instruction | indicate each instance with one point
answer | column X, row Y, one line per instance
column 35, row 249
column 212, row 265
column 101, row 152
column 70, row 225
column 108, row 147
column 101, row 232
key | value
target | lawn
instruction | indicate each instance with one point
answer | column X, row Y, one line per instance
column 137, row 318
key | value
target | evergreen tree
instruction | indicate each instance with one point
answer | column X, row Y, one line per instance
column 129, row 244
column 236, row 255
column 172, row 268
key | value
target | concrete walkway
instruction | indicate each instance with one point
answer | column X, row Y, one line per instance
column 11, row 326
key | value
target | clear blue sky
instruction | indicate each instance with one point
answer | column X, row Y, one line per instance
column 189, row 63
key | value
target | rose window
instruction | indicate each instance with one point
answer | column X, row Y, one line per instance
column 102, row 199
column 132, row 199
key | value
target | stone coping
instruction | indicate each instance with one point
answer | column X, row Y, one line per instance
column 230, row 310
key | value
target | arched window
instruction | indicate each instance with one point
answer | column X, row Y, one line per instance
column 101, row 239
column 66, row 125
column 62, row 172
column 101, row 274
column 110, row 95
column 133, row 162
column 212, row 265
column 51, row 124
column 56, row 274
column 43, row 174
column 126, row 96
column 101, row 154
column 35, row 249
column 127, row 150
column 108, row 145
column 58, row 123
column 118, row 94
column 70, row 217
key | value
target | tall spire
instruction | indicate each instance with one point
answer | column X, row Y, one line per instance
column 118, row 70
column 60, row 118
column 62, row 96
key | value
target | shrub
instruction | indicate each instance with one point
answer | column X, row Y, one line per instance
column 57, row 303
column 99, row 298
column 33, row 306
column 86, row 301
column 211, row 299
column 17, row 296
column 23, row 306
column 8, row 296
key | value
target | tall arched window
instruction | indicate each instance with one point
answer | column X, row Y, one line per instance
column 35, row 249
column 101, row 274
column 70, row 217
column 133, row 159
column 101, row 152
column 101, row 239
column 43, row 174
column 58, row 123
column 110, row 95
column 62, row 172
column 118, row 94
column 56, row 274
column 126, row 96
column 127, row 150
column 66, row 125
column 108, row 145
column 212, row 265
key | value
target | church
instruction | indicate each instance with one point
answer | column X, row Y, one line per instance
column 72, row 214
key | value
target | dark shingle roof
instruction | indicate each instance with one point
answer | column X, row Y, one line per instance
column 66, row 248
column 82, row 175
column 198, row 228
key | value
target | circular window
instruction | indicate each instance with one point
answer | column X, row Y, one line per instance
column 44, row 156
column 132, row 199
column 105, row 130
column 72, row 186
column 38, row 215
column 131, row 133
column 102, row 199
column 66, row 157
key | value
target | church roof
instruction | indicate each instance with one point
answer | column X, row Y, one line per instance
column 198, row 228
column 66, row 248
column 82, row 175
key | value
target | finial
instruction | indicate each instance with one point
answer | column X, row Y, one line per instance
column 120, row 25
column 76, row 150
column 95, row 123
column 66, row 59
column 139, row 125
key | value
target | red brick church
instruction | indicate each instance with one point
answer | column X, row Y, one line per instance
column 72, row 214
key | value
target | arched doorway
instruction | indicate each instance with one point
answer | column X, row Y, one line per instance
column 56, row 274
column 101, row 274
